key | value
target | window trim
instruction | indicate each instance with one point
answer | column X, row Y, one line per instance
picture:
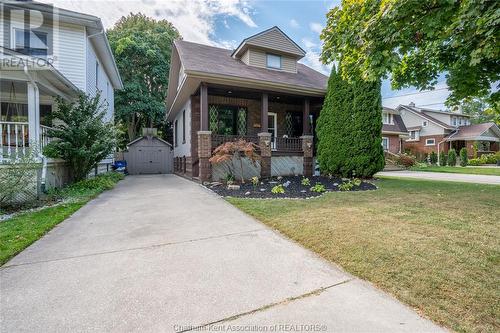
column 388, row 143
column 430, row 144
column 234, row 109
column 425, row 123
column 417, row 135
column 274, row 55
column 183, row 126
column 28, row 32
column 175, row 133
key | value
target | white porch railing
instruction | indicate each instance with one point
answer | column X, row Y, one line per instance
column 14, row 139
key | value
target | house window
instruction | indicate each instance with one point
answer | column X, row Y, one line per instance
column 454, row 121
column 175, row 133
column 414, row 135
column 273, row 61
column 430, row 142
column 387, row 118
column 228, row 120
column 96, row 74
column 184, row 126
column 31, row 43
column 424, row 123
column 385, row 143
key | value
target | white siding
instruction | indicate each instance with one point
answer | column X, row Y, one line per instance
column 183, row 149
column 69, row 49
column 413, row 120
column 103, row 83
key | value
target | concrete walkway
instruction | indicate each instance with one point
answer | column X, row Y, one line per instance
column 162, row 254
column 450, row 177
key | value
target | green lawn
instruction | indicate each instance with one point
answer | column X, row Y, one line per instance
column 468, row 170
column 22, row 230
column 433, row 245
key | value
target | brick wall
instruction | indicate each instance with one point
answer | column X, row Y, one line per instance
column 419, row 147
column 393, row 142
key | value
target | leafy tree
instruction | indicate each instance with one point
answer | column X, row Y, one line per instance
column 142, row 48
column 82, row 137
column 415, row 41
column 433, row 158
column 481, row 111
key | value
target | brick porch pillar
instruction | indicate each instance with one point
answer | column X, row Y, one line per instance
column 308, row 149
column 265, row 154
column 204, row 154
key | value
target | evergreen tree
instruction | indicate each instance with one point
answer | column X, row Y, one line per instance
column 330, row 126
column 367, row 154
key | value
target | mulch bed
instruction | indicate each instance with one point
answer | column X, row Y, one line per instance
column 292, row 185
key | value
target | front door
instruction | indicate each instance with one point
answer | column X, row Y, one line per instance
column 272, row 127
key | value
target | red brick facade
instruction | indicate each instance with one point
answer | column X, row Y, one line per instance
column 420, row 148
column 394, row 142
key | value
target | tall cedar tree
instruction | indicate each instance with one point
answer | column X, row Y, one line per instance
column 349, row 128
column 366, row 128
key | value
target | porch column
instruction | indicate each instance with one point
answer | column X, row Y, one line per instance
column 265, row 154
column 306, row 129
column 308, row 149
column 264, row 113
column 203, row 107
column 33, row 116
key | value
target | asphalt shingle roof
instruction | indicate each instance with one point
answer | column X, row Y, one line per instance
column 214, row 60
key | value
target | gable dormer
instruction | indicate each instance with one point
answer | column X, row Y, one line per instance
column 271, row 49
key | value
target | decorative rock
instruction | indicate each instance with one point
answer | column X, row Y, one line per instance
column 262, row 189
column 233, row 187
column 335, row 184
column 303, row 191
column 287, row 183
column 279, row 178
column 273, row 182
column 247, row 193
column 215, row 183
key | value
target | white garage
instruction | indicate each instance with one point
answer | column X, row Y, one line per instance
column 149, row 155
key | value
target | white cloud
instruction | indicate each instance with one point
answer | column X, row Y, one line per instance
column 294, row 24
column 316, row 27
column 309, row 44
column 312, row 60
column 195, row 19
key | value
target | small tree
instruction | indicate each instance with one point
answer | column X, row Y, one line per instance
column 82, row 136
column 232, row 151
column 463, row 157
column 452, row 157
column 443, row 158
column 433, row 158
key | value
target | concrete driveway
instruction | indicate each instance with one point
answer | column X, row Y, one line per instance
column 449, row 177
column 162, row 254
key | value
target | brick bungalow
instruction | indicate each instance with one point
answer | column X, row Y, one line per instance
column 394, row 131
column 258, row 92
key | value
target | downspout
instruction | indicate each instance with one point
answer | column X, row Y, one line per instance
column 40, row 155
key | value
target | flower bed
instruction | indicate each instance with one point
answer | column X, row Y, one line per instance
column 291, row 187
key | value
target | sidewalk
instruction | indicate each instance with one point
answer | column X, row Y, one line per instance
column 449, row 177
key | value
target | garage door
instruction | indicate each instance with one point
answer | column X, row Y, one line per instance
column 149, row 159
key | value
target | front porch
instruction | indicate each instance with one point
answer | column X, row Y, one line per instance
column 281, row 125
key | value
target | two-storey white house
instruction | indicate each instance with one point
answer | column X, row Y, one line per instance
column 47, row 52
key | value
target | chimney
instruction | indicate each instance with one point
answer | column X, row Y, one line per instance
column 411, row 104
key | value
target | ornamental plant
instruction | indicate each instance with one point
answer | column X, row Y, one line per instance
column 318, row 188
column 443, row 158
column 452, row 157
column 232, row 153
column 305, row 181
column 433, row 158
column 255, row 181
column 463, row 157
column 278, row 189
column 406, row 161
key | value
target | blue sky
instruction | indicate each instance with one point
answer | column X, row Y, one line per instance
column 225, row 23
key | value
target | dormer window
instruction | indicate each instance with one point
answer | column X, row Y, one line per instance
column 31, row 43
column 273, row 61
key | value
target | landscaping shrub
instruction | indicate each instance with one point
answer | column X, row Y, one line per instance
column 452, row 157
column 278, row 189
column 82, row 137
column 463, row 157
column 231, row 152
column 305, row 181
column 488, row 159
column 443, row 158
column 318, row 187
column 433, row 158
column 406, row 160
column 18, row 181
column 88, row 187
column 475, row 162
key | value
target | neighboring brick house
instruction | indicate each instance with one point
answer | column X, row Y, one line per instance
column 258, row 92
column 394, row 131
column 434, row 130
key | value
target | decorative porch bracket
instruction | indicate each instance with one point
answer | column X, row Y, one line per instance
column 265, row 154
column 308, row 149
